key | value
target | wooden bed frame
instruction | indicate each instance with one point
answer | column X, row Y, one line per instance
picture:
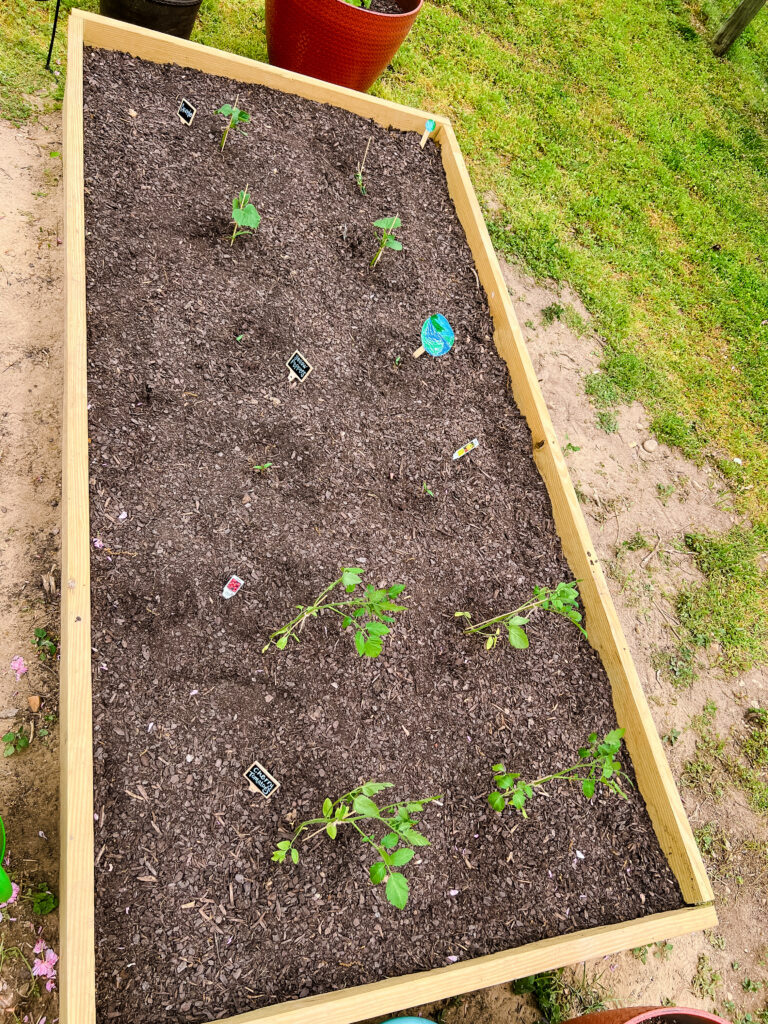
column 77, row 978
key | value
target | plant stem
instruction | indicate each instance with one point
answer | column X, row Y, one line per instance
column 226, row 130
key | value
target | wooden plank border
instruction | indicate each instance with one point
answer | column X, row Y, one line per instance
column 78, row 997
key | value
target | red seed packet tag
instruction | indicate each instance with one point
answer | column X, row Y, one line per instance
column 232, row 586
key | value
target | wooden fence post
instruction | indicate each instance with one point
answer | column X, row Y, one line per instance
column 733, row 26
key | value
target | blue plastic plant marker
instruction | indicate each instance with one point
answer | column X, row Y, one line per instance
column 429, row 127
column 437, row 336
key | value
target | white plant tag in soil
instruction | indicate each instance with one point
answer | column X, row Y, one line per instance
column 260, row 781
column 186, row 112
column 231, row 587
column 468, row 447
column 298, row 367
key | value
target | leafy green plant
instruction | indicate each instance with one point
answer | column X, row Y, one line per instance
column 15, row 741
column 361, row 166
column 45, row 644
column 237, row 118
column 245, row 216
column 597, row 765
column 671, row 737
column 561, row 996
column 389, row 830
column 370, row 612
column 43, row 899
column 388, row 226
column 263, row 467
column 6, row 889
column 563, row 600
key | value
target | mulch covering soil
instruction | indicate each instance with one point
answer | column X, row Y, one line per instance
column 193, row 921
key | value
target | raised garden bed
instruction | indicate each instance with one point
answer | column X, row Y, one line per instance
column 179, row 393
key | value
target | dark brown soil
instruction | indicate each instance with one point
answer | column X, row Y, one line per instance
column 193, row 921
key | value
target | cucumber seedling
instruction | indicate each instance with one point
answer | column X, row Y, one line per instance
column 237, row 118
column 387, row 226
column 389, row 830
column 596, row 766
column 563, row 600
column 244, row 214
column 371, row 612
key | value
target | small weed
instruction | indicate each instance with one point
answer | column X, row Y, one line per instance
column 360, row 168
column 751, row 986
column 678, row 665
column 608, row 421
column 398, row 361
column 568, row 447
column 560, row 997
column 45, row 644
column 706, row 979
column 636, row 542
column 551, row 313
column 663, row 950
column 14, row 742
column 395, row 847
column 563, row 600
column 43, row 899
column 755, row 746
column 371, row 613
column 671, row 737
column 245, row 216
column 715, row 940
column 665, row 492
column 426, row 490
column 388, row 226
column 641, row 953
column 264, row 467
column 236, row 118
column 597, row 765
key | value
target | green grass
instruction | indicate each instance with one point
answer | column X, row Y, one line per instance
column 561, row 996
column 610, row 149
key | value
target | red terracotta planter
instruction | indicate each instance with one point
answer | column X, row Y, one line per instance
column 641, row 1014
column 335, row 41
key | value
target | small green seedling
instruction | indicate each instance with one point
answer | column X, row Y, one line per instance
column 44, row 900
column 6, row 889
column 398, row 361
column 389, row 830
column 45, row 644
column 264, row 467
column 244, row 214
column 371, row 613
column 671, row 737
column 236, row 117
column 388, row 226
column 426, row 490
column 14, row 742
column 361, row 168
column 563, row 600
column 597, row 765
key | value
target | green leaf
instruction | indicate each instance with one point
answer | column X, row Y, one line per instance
column 507, row 781
column 497, row 801
column 372, row 648
column 377, row 629
column 360, row 642
column 498, row 767
column 330, row 828
column 390, row 840
column 397, row 890
column 295, row 855
column 281, row 642
column 413, row 837
column 8, row 751
column 346, row 621
column 283, row 844
column 401, row 857
column 364, row 805
column 398, row 588
column 387, row 223
column 278, row 856
column 518, row 620
column 327, row 807
column 588, row 788
column 22, row 742
column 226, row 110
column 372, row 788
column 378, row 872
column 9, row 737
column 350, row 578
column 247, row 216
column 518, row 799
column 517, row 637
column 414, row 808
column 392, row 243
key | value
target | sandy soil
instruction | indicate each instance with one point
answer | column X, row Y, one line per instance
column 31, row 320
column 617, row 475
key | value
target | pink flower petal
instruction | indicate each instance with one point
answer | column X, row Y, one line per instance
column 19, row 666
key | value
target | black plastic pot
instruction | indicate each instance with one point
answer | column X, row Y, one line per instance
column 176, row 17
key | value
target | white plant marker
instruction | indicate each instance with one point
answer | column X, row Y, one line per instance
column 468, row 447
column 429, row 127
column 231, row 587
